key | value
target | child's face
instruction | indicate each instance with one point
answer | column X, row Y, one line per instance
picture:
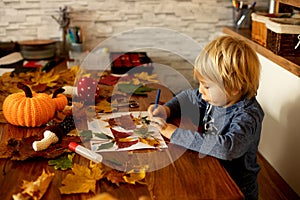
column 213, row 94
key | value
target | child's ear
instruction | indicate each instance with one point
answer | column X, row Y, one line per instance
column 235, row 92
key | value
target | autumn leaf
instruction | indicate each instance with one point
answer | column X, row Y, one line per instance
column 73, row 132
column 104, row 106
column 74, row 69
column 103, row 136
column 36, row 189
column 48, row 78
column 115, row 176
column 62, row 163
column 68, row 76
column 149, row 141
column 2, row 118
column 142, row 131
column 87, row 134
column 146, row 77
column 140, row 78
column 135, row 175
column 106, row 145
column 125, row 121
column 132, row 177
column 134, row 89
column 82, row 180
column 97, row 171
column 125, row 142
column 39, row 87
column 119, row 134
column 77, row 184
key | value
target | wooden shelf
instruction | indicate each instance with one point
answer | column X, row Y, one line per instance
column 292, row 64
column 290, row 2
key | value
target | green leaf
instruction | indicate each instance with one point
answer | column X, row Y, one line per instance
column 142, row 131
column 62, row 163
column 144, row 89
column 106, row 145
column 87, row 134
column 135, row 89
column 140, row 93
column 103, row 136
column 127, row 88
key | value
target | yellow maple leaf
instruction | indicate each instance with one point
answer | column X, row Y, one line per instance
column 146, row 77
column 103, row 106
column 135, row 175
column 82, row 180
column 77, row 184
column 36, row 189
column 93, row 172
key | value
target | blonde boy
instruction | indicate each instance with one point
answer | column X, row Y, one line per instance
column 226, row 108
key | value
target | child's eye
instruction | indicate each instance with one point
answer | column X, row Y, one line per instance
column 206, row 87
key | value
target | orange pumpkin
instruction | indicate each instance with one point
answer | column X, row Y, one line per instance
column 59, row 99
column 28, row 108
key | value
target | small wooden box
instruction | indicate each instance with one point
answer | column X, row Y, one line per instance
column 259, row 29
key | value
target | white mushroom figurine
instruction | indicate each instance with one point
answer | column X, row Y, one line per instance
column 52, row 134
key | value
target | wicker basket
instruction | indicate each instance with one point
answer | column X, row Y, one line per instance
column 283, row 36
column 259, row 29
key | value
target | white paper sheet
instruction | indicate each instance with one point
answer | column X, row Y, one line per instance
column 100, row 126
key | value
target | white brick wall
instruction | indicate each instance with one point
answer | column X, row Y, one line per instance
column 30, row 19
column 200, row 20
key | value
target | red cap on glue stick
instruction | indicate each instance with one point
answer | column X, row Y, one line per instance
column 87, row 153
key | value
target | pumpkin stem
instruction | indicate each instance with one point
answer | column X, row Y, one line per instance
column 26, row 89
column 56, row 92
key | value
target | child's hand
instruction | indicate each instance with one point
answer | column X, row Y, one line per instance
column 161, row 111
column 165, row 128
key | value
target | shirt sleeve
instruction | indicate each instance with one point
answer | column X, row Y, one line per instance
column 234, row 142
column 188, row 103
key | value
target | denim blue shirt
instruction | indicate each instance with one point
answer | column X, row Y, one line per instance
column 230, row 134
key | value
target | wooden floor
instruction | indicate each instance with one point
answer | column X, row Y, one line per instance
column 271, row 185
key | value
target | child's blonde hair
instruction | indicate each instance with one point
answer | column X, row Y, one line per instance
column 231, row 63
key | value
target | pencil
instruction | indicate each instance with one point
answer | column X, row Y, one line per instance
column 157, row 98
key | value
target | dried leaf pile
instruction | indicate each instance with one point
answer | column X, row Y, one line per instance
column 83, row 179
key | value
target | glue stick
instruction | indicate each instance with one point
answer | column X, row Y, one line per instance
column 84, row 152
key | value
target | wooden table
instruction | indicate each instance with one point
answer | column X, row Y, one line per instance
column 180, row 174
